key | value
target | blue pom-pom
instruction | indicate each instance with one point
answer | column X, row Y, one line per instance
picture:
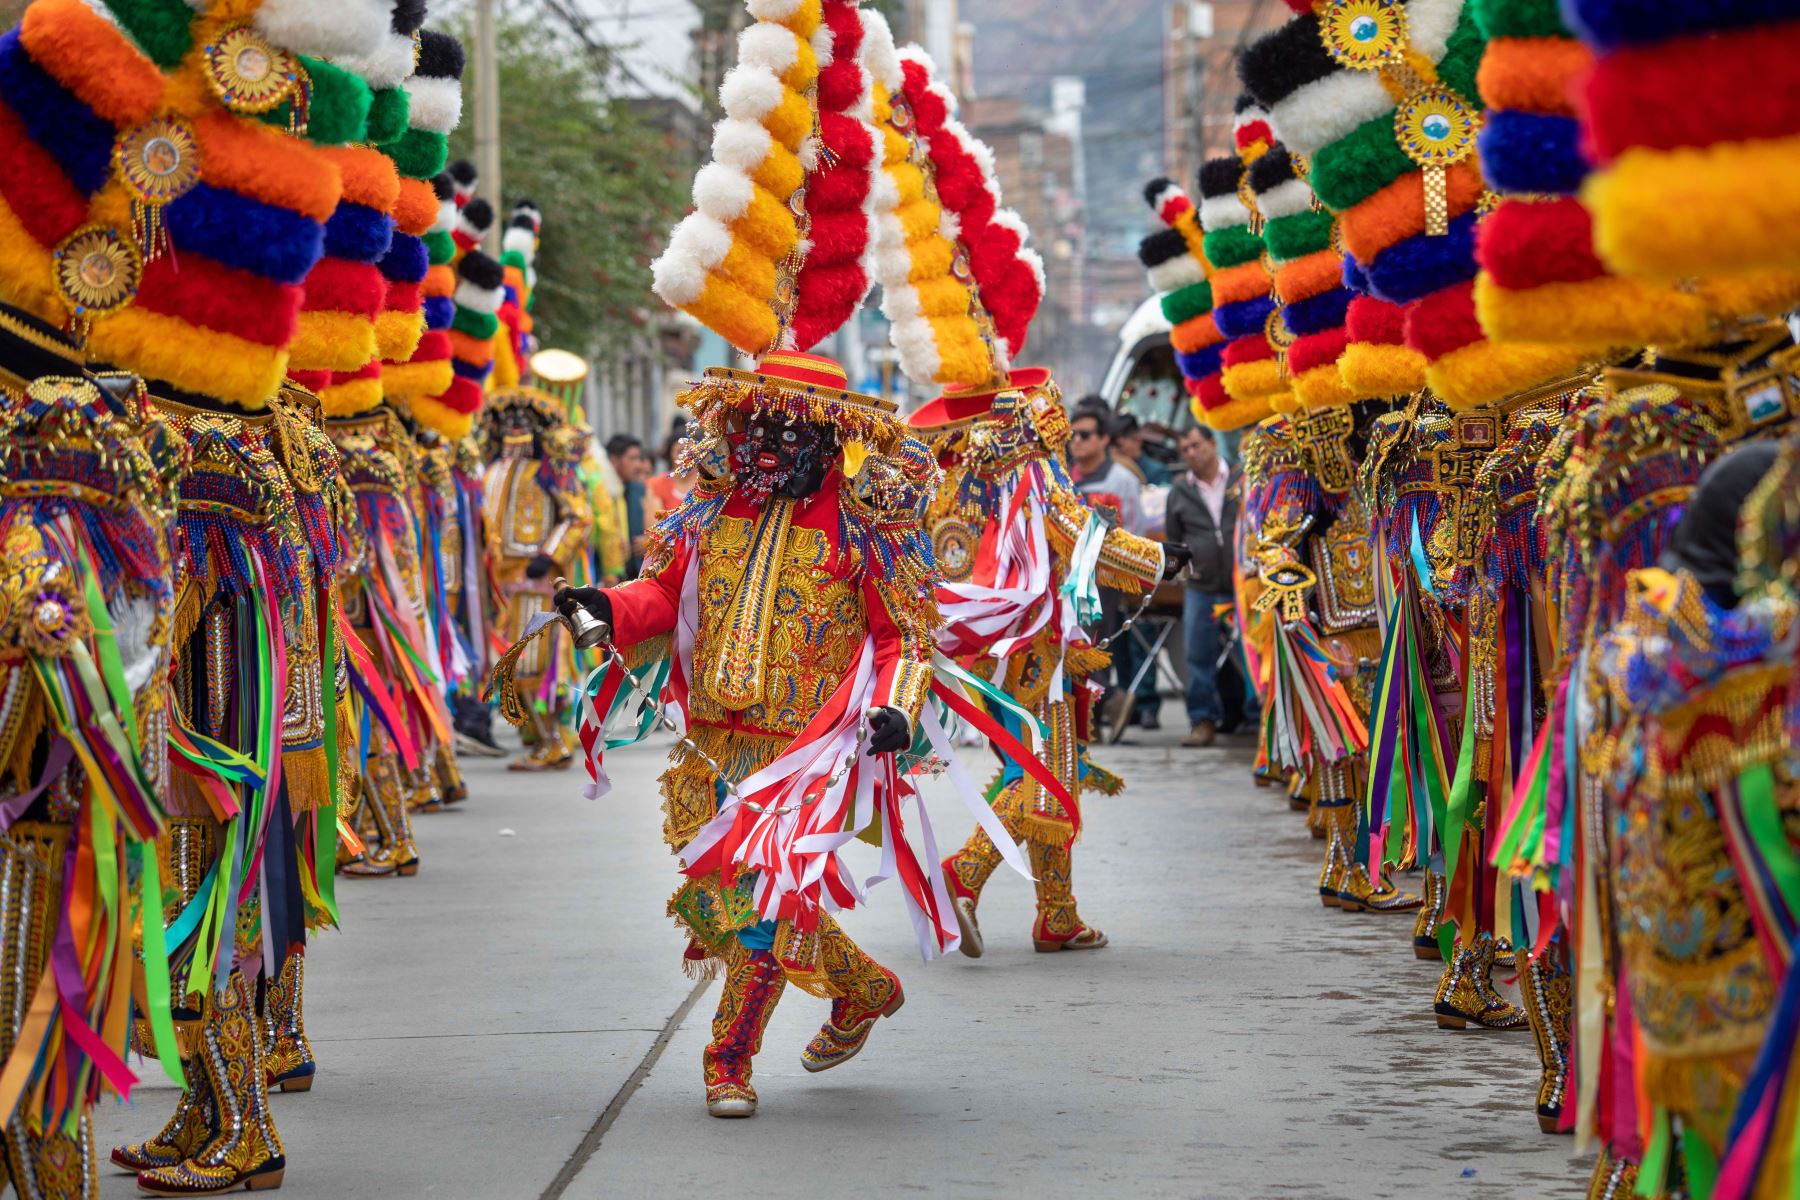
column 1316, row 314
column 276, row 243
column 406, row 260
column 1532, row 152
column 1202, row 363
column 358, row 233
column 1424, row 263
column 1243, row 318
column 71, row 132
column 1608, row 24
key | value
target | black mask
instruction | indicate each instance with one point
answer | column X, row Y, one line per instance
column 782, row 458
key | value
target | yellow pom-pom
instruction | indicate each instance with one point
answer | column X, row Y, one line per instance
column 1487, row 372
column 1375, row 370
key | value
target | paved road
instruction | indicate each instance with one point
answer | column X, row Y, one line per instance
column 513, row 1023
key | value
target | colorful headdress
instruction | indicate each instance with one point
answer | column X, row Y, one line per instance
column 1176, row 260
column 1692, row 114
column 160, row 213
column 1309, row 278
column 1243, row 305
column 1541, row 279
column 518, row 258
column 798, row 387
column 428, row 372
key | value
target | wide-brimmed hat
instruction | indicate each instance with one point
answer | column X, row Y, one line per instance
column 799, row 387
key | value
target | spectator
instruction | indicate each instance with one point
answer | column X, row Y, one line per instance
column 1202, row 515
column 669, row 490
column 1111, row 489
column 626, row 453
column 1128, row 451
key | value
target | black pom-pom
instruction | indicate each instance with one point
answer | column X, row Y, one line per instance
column 444, row 186
column 1219, row 176
column 408, row 16
column 481, row 270
column 1154, row 190
column 479, row 213
column 1275, row 67
column 1244, row 101
column 440, row 56
column 522, row 221
column 1272, row 170
column 1163, row 246
column 463, row 172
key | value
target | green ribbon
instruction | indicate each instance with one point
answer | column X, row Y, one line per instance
column 996, row 696
column 156, row 964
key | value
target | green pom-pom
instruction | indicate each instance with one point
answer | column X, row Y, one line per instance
column 387, row 115
column 439, row 247
column 161, row 28
column 338, row 110
column 1353, row 168
column 1297, row 236
column 478, row 325
column 515, row 259
column 1232, row 247
column 1184, row 304
column 418, row 153
column 1519, row 18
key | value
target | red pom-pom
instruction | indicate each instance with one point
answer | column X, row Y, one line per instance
column 1526, row 244
column 340, row 285
column 1375, row 321
column 213, row 296
column 1317, row 350
column 463, row 396
column 1443, row 321
column 1254, row 348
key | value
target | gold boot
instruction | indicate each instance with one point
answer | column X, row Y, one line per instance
column 192, row 1123
column 51, row 1165
column 1331, row 875
column 867, row 991
column 1546, row 986
column 965, row 873
column 1059, row 925
column 291, row 1066
column 451, row 785
column 753, row 987
column 1431, row 915
column 243, row 1150
column 1613, row 1178
column 1465, row 995
column 376, row 827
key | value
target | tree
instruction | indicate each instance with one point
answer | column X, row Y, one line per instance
column 610, row 184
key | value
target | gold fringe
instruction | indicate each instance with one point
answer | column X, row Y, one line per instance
column 308, row 776
column 186, row 617
column 1101, row 780
column 1083, row 661
column 185, row 799
column 32, row 722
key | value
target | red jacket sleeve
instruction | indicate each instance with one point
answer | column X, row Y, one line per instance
column 648, row 606
column 903, row 647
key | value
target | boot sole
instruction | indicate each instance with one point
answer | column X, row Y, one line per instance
column 731, row 1110
column 1058, row 947
column 893, row 1006
column 299, row 1083
column 971, row 945
column 1428, row 953
column 1549, row 1124
column 266, row 1180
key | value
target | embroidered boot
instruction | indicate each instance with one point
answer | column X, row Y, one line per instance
column 243, row 1149
column 192, row 1123
column 51, row 1165
column 1059, row 925
column 1431, row 915
column 752, row 988
column 1546, row 987
column 377, row 830
column 868, row 992
column 1331, row 875
column 1466, row 995
column 290, row 1062
column 965, row 873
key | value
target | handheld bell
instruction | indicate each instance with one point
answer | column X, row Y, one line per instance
column 587, row 629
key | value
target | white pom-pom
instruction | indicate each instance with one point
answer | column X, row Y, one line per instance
column 1179, row 272
column 447, row 216
column 1430, row 24
column 330, row 28
column 774, row 10
column 519, row 240
column 769, row 46
column 1332, row 108
column 879, row 57
column 698, row 245
column 436, row 104
column 479, row 299
column 1285, row 199
column 750, row 93
column 809, row 154
column 949, row 225
column 1223, row 212
column 824, row 46
column 389, row 66
column 1035, row 261
column 741, row 144
column 723, row 193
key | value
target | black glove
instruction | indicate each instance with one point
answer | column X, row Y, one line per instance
column 1176, row 557
column 540, row 566
column 889, row 731
column 594, row 600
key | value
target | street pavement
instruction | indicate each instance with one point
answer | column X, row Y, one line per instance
column 513, row 1023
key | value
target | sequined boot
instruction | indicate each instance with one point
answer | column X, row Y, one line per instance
column 1431, row 915
column 1059, row 926
column 1546, row 988
column 52, row 1165
column 1613, row 1178
column 192, row 1123
column 243, row 1149
column 1465, row 994
column 376, row 827
column 1331, row 875
column 291, row 1066
column 451, row 785
column 869, row 992
column 753, row 986
column 965, row 873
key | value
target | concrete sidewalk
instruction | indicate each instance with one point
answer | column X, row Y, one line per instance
column 496, row 1026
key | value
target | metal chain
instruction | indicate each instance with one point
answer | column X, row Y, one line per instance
column 687, row 742
column 1142, row 608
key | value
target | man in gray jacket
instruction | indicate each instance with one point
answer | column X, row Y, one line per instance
column 1202, row 515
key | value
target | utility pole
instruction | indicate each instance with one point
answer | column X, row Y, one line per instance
column 487, row 116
